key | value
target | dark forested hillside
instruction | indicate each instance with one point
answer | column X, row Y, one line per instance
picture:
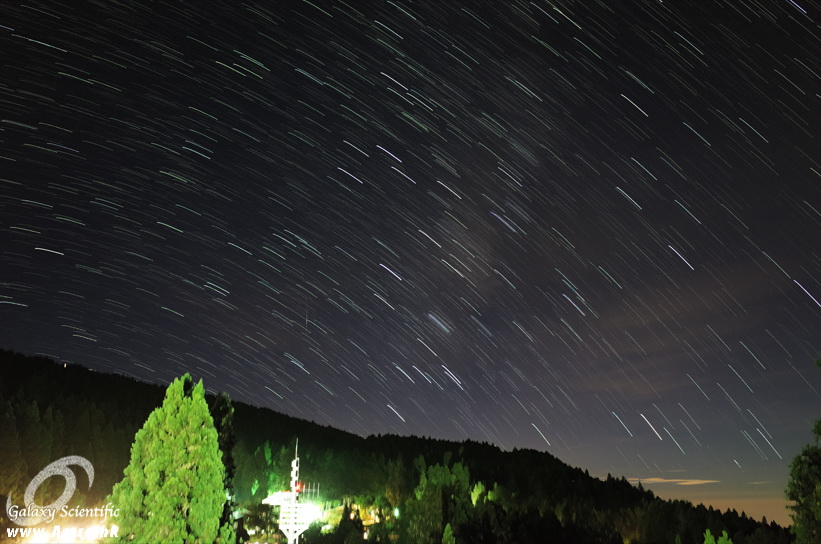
column 418, row 489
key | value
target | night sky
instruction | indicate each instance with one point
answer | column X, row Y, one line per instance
column 589, row 228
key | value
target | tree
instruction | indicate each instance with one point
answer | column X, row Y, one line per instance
column 447, row 535
column 350, row 526
column 710, row 539
column 222, row 412
column 173, row 489
column 477, row 493
column 804, row 489
column 13, row 469
column 423, row 519
column 37, row 440
column 397, row 482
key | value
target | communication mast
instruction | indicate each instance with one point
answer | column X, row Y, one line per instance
column 294, row 517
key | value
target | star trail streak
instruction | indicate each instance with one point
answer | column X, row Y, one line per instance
column 462, row 219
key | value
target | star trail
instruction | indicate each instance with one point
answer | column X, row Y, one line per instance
column 590, row 228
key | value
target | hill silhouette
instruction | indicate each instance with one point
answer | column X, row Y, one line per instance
column 477, row 491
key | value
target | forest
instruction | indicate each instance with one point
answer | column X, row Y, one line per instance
column 402, row 489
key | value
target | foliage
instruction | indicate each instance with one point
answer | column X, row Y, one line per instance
column 350, row 527
column 804, row 489
column 478, row 493
column 710, row 539
column 447, row 536
column 13, row 467
column 397, row 482
column 173, row 488
column 48, row 411
column 222, row 412
column 485, row 494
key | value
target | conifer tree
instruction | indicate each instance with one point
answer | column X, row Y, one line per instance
column 13, row 468
column 447, row 535
column 173, row 489
column 723, row 539
column 804, row 489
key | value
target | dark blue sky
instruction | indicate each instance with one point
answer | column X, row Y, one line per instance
column 586, row 228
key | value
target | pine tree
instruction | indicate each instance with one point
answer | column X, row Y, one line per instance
column 447, row 535
column 173, row 490
column 13, row 468
column 804, row 489
column 708, row 537
column 723, row 539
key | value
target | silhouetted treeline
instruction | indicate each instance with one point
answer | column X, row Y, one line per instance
column 470, row 491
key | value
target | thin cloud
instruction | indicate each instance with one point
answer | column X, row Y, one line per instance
column 676, row 481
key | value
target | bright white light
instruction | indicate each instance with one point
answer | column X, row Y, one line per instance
column 38, row 538
column 68, row 535
column 309, row 512
column 278, row 499
column 295, row 518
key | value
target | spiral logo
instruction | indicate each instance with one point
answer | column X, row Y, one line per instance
column 34, row 513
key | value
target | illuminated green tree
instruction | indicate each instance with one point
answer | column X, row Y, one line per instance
column 398, row 484
column 173, row 489
column 477, row 493
column 447, row 536
column 723, row 539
